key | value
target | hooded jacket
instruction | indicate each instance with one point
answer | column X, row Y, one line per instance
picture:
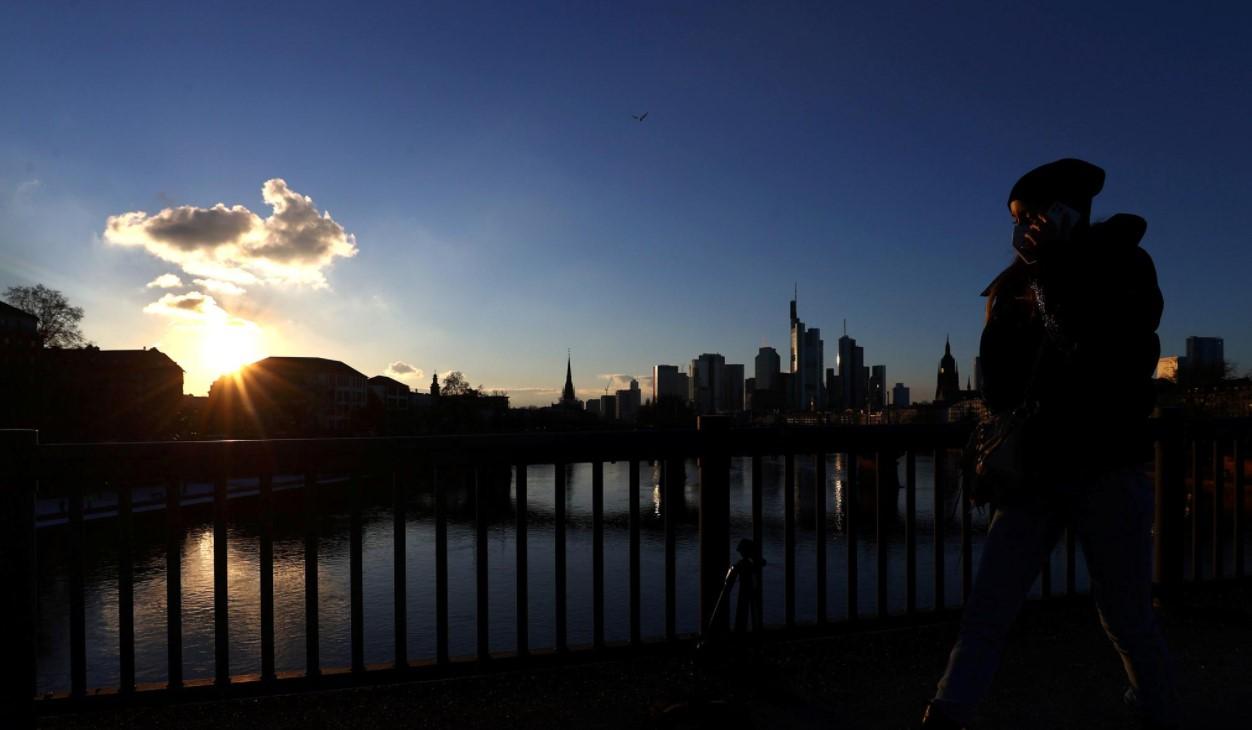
column 1075, row 334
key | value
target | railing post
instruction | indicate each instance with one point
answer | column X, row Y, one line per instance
column 18, row 453
column 714, row 516
column 1171, row 504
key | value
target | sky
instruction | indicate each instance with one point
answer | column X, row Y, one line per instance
column 415, row 188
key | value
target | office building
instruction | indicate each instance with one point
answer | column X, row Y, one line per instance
column 1205, row 351
column 733, row 398
column 834, row 392
column 706, row 383
column 806, row 364
column 628, row 402
column 862, row 387
column 1205, row 361
column 669, row 383
column 900, row 396
column 877, row 388
column 768, row 365
column 853, row 382
column 1167, row 368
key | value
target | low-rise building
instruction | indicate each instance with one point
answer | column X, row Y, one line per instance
column 290, row 396
column 19, row 356
column 89, row 394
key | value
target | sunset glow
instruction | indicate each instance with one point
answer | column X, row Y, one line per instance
column 226, row 345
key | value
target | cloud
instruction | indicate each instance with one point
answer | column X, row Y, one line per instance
column 194, row 306
column 294, row 245
column 403, row 371
column 218, row 286
column 618, row 381
column 165, row 281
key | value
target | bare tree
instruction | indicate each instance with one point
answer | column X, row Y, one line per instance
column 58, row 319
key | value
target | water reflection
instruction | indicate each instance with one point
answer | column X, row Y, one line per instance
column 674, row 487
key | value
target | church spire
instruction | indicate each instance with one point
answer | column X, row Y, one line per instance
column 567, row 394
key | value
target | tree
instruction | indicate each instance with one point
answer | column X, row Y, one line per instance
column 454, row 383
column 58, row 320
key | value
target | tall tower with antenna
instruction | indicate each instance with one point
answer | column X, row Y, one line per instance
column 806, row 362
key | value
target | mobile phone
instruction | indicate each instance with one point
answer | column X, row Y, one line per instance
column 1063, row 219
column 1060, row 218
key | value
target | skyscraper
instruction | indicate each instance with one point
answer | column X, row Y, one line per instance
column 628, row 402
column 900, row 396
column 862, row 386
column 806, row 364
column 1206, row 359
column 768, row 365
column 667, row 382
column 707, row 375
column 877, row 387
column 733, row 398
column 851, row 380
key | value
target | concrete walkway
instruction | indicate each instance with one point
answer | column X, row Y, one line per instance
column 1059, row 672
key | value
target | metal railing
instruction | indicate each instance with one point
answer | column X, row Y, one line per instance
column 1181, row 487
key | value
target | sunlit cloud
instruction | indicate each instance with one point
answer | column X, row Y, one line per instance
column 165, row 281
column 294, row 245
column 404, row 371
column 190, row 306
column 224, row 341
column 218, row 286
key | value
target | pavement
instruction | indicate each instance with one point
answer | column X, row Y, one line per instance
column 1059, row 671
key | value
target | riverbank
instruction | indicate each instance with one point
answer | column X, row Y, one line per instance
column 1059, row 672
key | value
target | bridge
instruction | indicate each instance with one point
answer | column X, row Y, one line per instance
column 1200, row 475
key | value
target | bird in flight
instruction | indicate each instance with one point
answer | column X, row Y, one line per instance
column 639, row 117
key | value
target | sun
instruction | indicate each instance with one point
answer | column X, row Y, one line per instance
column 227, row 345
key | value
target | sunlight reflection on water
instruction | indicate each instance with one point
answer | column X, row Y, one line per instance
column 243, row 556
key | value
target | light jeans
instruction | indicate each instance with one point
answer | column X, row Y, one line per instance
column 1112, row 519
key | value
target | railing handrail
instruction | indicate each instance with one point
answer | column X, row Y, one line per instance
column 124, row 464
column 121, row 461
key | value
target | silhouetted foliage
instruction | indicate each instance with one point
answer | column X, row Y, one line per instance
column 58, row 319
column 454, row 383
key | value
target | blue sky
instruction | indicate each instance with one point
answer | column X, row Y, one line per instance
column 504, row 206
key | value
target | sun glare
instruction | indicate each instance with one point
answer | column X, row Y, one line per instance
column 226, row 346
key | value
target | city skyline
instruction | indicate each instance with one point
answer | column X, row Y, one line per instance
column 431, row 194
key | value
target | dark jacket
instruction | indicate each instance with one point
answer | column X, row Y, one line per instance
column 1088, row 310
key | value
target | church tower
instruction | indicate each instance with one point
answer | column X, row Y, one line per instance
column 948, row 389
column 567, row 393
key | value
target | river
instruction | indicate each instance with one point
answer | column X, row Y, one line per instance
column 333, row 572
